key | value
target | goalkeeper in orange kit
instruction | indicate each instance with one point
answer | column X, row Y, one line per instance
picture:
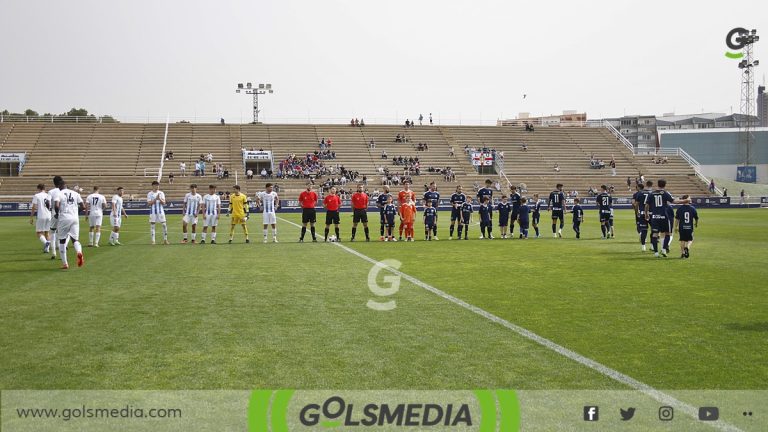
column 407, row 218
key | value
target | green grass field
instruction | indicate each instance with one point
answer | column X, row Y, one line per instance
column 294, row 315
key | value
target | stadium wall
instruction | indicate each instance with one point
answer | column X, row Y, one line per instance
column 719, row 151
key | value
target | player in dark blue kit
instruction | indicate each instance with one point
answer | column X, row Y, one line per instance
column 639, row 200
column 523, row 218
column 578, row 217
column 457, row 199
column 487, row 191
column 605, row 210
column 466, row 218
column 656, row 213
column 536, row 214
column 381, row 202
column 514, row 199
column 430, row 220
column 503, row 208
column 686, row 218
column 486, row 218
column 558, row 208
column 389, row 213
column 432, row 195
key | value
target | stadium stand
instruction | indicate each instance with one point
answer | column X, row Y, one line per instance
column 129, row 155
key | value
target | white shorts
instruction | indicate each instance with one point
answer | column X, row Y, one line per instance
column 68, row 228
column 54, row 223
column 270, row 218
column 43, row 225
column 211, row 220
column 189, row 219
column 157, row 218
column 95, row 220
column 117, row 222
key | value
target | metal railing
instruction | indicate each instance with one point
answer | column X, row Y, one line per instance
column 618, row 135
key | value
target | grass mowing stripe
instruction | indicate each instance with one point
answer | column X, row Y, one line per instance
column 565, row 352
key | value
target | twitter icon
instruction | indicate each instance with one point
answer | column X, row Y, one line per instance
column 626, row 414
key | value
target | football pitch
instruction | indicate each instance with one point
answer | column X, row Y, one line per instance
column 293, row 315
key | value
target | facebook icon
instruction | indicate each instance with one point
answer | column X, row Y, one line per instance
column 591, row 413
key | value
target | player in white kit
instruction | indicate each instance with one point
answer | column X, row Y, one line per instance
column 95, row 204
column 116, row 217
column 192, row 203
column 54, row 214
column 69, row 203
column 156, row 201
column 41, row 207
column 269, row 202
column 211, row 212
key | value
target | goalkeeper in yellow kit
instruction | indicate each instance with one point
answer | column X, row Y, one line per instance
column 238, row 211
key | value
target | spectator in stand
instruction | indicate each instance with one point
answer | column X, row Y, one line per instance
column 362, row 122
column 384, row 154
column 407, row 123
column 263, row 173
column 450, row 152
column 209, row 157
column 222, row 121
column 430, row 119
column 629, row 184
column 183, row 169
column 421, row 117
column 170, row 178
column 557, row 167
column 712, row 186
column 613, row 167
column 197, row 168
column 352, row 122
column 202, row 168
column 725, row 192
column 372, row 144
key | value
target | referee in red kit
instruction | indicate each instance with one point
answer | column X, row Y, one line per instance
column 332, row 202
column 308, row 201
column 360, row 212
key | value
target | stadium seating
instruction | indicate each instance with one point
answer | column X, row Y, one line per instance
column 130, row 154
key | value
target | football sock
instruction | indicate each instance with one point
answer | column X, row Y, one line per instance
column 203, row 235
column 561, row 224
column 78, row 246
column 382, row 230
column 194, row 236
column 245, row 230
column 326, row 232
column 450, row 230
column 42, row 239
column 482, row 230
column 53, row 242
column 655, row 243
column 312, row 230
column 185, row 236
column 554, row 228
column 303, row 231
column 152, row 231
column 90, row 237
column 231, row 231
column 643, row 235
column 666, row 242
column 274, row 232
column 213, row 236
column 426, row 233
column 266, row 231
column 337, row 231
column 354, row 231
column 97, row 237
column 602, row 229
column 512, row 228
column 401, row 229
column 367, row 233
column 434, row 230
column 537, row 230
column 460, row 229
column 63, row 252
column 165, row 231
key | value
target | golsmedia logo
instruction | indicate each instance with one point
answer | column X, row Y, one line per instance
column 288, row 410
column 735, row 41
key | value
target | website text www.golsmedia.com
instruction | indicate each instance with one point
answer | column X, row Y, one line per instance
column 86, row 412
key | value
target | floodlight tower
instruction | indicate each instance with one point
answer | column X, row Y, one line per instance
column 747, row 65
column 255, row 91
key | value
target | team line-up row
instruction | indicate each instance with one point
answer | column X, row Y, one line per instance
column 57, row 213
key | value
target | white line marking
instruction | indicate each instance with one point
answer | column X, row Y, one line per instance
column 565, row 352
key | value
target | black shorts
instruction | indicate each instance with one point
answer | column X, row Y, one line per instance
column 686, row 235
column 455, row 214
column 605, row 217
column 557, row 214
column 523, row 224
column 660, row 225
column 332, row 217
column 359, row 215
column 536, row 218
column 642, row 224
column 514, row 216
column 382, row 218
column 308, row 215
column 389, row 222
column 429, row 223
column 465, row 217
column 503, row 220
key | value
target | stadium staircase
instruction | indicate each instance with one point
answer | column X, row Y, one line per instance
column 128, row 155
